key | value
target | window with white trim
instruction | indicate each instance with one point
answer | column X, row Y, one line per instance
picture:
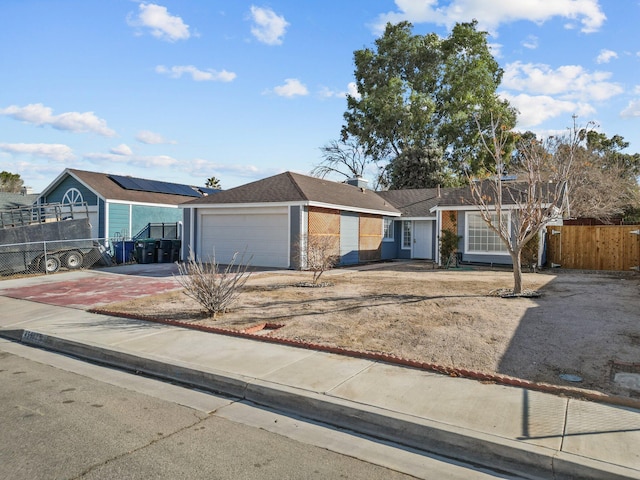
column 480, row 238
column 387, row 228
column 406, row 234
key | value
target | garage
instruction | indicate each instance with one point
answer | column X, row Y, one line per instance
column 262, row 233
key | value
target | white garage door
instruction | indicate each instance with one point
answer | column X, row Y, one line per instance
column 265, row 236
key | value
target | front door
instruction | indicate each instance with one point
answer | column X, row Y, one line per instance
column 422, row 239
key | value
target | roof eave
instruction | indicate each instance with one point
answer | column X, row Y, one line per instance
column 373, row 211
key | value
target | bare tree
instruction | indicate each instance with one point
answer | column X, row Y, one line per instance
column 318, row 253
column 516, row 211
column 215, row 290
column 345, row 158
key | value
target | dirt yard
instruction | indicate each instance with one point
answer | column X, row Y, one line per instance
column 580, row 325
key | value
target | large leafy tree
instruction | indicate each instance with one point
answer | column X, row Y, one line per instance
column 10, row 182
column 609, row 150
column 418, row 94
column 602, row 182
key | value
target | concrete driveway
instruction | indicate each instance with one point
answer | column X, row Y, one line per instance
column 92, row 288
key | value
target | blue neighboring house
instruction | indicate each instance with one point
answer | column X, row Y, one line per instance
column 120, row 206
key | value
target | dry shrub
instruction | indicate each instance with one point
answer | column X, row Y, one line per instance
column 320, row 254
column 212, row 289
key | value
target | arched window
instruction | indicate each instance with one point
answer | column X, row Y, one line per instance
column 73, row 196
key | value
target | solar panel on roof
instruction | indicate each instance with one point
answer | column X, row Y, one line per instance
column 209, row 191
column 154, row 186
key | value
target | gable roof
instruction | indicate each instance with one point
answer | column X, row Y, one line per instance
column 106, row 187
column 416, row 202
column 294, row 187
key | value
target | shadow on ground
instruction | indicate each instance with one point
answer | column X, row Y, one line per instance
column 580, row 325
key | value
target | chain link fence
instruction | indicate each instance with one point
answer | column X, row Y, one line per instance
column 47, row 257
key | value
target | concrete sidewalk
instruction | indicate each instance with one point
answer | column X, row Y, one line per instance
column 507, row 429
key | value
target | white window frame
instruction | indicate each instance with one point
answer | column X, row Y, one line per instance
column 407, row 236
column 72, row 196
column 496, row 240
column 387, row 229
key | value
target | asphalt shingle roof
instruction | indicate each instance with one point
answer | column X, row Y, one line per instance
column 105, row 186
column 512, row 192
column 413, row 202
column 15, row 200
column 294, row 187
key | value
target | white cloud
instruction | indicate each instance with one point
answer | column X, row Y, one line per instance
column 632, row 110
column 606, row 56
column 531, row 42
column 208, row 75
column 268, row 27
column 152, row 138
column 121, row 149
column 201, row 168
column 50, row 151
column 572, row 82
column 492, row 13
column 163, row 25
column 153, row 161
column 352, row 90
column 540, row 92
column 146, row 161
column 536, row 109
column 495, row 49
column 292, row 88
column 38, row 114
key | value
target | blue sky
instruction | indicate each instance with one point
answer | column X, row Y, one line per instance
column 181, row 90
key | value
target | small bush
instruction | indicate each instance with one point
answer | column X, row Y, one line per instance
column 448, row 244
column 212, row 289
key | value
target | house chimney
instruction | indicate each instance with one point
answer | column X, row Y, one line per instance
column 438, row 191
column 359, row 182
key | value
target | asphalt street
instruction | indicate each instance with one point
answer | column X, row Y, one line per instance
column 63, row 418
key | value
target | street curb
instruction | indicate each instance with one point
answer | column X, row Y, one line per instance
column 495, row 453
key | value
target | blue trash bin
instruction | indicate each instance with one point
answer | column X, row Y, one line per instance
column 124, row 251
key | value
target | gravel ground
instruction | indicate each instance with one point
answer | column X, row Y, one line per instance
column 584, row 323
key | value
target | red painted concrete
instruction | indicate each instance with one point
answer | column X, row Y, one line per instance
column 92, row 291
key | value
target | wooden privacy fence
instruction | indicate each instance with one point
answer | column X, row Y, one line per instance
column 594, row 247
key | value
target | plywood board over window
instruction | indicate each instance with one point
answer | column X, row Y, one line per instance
column 370, row 241
column 325, row 222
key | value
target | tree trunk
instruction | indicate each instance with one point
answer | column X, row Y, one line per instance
column 517, row 272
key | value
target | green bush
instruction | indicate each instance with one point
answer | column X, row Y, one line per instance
column 448, row 244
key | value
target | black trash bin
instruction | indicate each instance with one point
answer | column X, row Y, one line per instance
column 165, row 250
column 146, row 250
column 176, row 245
